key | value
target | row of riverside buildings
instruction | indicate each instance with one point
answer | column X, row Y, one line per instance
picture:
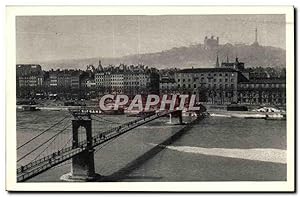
column 227, row 82
column 122, row 79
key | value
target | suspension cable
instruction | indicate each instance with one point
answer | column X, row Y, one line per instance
column 48, row 145
column 69, row 140
column 41, row 133
column 43, row 143
column 105, row 119
column 103, row 122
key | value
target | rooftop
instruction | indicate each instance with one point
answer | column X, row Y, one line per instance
column 266, row 80
column 165, row 80
column 199, row 70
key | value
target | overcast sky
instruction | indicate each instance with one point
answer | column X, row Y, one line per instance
column 43, row 38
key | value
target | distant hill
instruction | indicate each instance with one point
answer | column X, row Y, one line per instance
column 187, row 57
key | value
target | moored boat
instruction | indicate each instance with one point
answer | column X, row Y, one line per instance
column 275, row 117
column 142, row 114
column 236, row 107
column 28, row 108
column 112, row 111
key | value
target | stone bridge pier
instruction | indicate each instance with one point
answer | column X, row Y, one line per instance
column 83, row 166
column 177, row 113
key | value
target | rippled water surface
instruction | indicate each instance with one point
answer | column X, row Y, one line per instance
column 215, row 149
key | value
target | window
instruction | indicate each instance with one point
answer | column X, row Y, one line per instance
column 220, row 80
column 195, row 86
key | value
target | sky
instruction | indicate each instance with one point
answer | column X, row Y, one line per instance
column 46, row 38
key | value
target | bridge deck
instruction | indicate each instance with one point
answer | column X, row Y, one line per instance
column 38, row 166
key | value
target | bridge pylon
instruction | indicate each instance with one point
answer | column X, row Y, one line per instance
column 83, row 165
column 177, row 113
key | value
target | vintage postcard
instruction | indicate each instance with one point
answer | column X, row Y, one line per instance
column 150, row 98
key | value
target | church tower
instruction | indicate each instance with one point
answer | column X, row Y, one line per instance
column 217, row 62
column 255, row 43
column 100, row 68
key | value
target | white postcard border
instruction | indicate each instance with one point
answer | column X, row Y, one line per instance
column 13, row 11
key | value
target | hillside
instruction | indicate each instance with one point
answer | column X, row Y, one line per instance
column 184, row 57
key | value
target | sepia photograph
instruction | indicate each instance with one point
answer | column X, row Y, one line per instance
column 174, row 98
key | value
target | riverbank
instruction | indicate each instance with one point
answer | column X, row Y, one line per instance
column 215, row 149
column 248, row 114
column 128, row 151
column 212, row 112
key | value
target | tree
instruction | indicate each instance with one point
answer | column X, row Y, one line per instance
column 203, row 94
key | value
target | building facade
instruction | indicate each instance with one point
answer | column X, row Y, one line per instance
column 210, row 85
column 167, row 85
column 130, row 80
column 226, row 83
column 240, row 66
column 28, row 69
column 63, row 79
column 270, row 91
column 29, row 75
column 53, row 79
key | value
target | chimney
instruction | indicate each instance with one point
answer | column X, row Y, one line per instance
column 217, row 62
column 256, row 35
column 237, row 60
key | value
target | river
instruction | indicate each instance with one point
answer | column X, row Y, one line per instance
column 215, row 149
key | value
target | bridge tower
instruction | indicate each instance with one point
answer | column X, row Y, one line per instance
column 83, row 166
column 177, row 113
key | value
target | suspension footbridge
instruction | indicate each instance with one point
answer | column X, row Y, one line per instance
column 74, row 147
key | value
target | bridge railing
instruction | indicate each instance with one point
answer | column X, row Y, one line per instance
column 96, row 140
column 124, row 128
column 43, row 159
column 49, row 164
